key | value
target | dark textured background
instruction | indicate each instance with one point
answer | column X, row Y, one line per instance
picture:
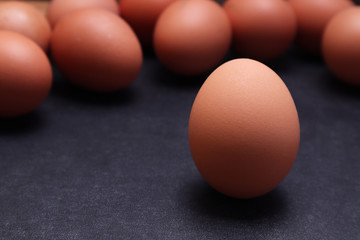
column 118, row 166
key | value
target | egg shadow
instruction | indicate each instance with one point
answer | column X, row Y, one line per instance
column 22, row 125
column 221, row 2
column 148, row 52
column 204, row 200
column 164, row 77
column 300, row 57
column 336, row 86
column 281, row 64
column 62, row 88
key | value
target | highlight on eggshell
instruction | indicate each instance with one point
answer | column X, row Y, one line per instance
column 23, row 18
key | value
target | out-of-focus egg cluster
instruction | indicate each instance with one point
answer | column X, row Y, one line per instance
column 313, row 16
column 97, row 49
column 98, row 45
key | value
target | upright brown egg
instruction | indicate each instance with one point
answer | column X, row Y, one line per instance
column 25, row 75
column 59, row 8
column 192, row 36
column 142, row 16
column 96, row 49
column 25, row 19
column 313, row 16
column 244, row 129
column 262, row 29
column 341, row 48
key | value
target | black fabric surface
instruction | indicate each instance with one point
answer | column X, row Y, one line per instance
column 118, row 166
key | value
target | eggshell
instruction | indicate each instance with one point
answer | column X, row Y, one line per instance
column 25, row 19
column 25, row 75
column 142, row 16
column 341, row 48
column 244, row 129
column 262, row 29
column 313, row 16
column 97, row 50
column 59, row 8
column 192, row 36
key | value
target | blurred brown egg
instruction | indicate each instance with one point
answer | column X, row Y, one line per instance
column 313, row 16
column 192, row 36
column 59, row 8
column 142, row 16
column 341, row 45
column 97, row 50
column 25, row 75
column 244, row 129
column 25, row 19
column 262, row 29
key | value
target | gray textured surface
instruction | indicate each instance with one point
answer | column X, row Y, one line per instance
column 118, row 166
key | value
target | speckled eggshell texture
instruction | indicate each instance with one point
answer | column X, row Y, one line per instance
column 244, row 129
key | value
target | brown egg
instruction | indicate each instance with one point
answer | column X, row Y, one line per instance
column 142, row 16
column 96, row 50
column 192, row 36
column 244, row 129
column 341, row 48
column 59, row 8
column 262, row 29
column 23, row 18
column 313, row 16
column 25, row 75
